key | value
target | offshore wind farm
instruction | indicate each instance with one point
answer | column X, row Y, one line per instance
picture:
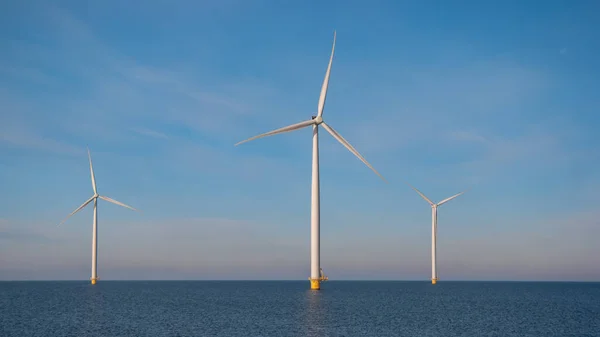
column 496, row 100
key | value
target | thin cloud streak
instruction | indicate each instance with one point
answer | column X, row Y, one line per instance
column 199, row 252
column 150, row 133
column 119, row 90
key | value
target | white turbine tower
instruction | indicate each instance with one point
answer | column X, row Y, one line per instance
column 434, row 207
column 316, row 275
column 94, row 198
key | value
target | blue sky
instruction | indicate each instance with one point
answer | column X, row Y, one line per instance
column 499, row 97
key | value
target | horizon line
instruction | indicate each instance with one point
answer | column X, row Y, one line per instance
column 297, row 280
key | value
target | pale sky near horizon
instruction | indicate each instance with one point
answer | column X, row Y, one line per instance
column 497, row 97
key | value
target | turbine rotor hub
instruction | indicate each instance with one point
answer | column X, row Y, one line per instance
column 318, row 119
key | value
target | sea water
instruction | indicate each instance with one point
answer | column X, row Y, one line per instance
column 289, row 308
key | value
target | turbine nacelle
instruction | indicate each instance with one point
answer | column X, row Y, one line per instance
column 96, row 196
column 433, row 204
column 318, row 120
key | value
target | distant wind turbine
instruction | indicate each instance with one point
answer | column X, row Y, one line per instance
column 94, row 198
column 434, row 207
column 316, row 275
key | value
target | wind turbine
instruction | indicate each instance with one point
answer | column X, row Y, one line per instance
column 434, row 207
column 94, row 198
column 316, row 275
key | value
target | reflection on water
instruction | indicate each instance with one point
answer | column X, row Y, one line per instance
column 315, row 312
column 93, row 307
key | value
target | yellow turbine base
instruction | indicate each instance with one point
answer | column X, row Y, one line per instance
column 93, row 281
column 315, row 284
column 433, row 281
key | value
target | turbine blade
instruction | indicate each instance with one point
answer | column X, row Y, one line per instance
column 92, row 172
column 452, row 197
column 116, row 202
column 350, row 147
column 281, row 130
column 421, row 194
column 77, row 210
column 326, row 81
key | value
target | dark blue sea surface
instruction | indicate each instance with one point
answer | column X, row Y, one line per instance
column 256, row 308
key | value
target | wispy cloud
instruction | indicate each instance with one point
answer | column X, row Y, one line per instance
column 502, row 150
column 19, row 234
column 193, row 247
column 26, row 138
column 468, row 136
column 17, row 130
column 116, row 91
column 541, row 249
column 419, row 105
column 151, row 133
column 209, row 248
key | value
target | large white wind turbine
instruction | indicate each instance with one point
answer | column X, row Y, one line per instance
column 94, row 198
column 315, row 269
column 434, row 207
